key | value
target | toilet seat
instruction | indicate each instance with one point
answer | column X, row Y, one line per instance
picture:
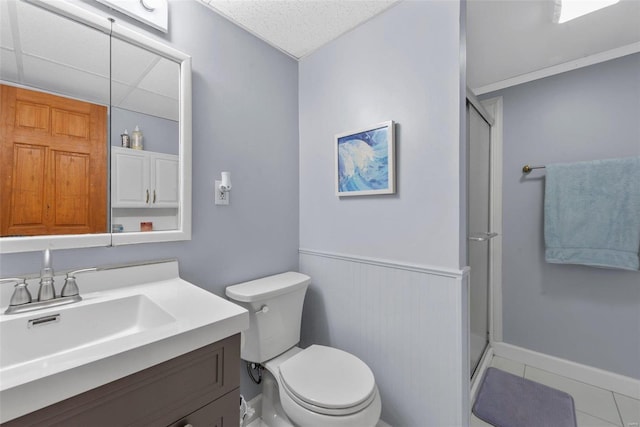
column 328, row 381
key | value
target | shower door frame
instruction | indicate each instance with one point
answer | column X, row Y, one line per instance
column 491, row 110
column 494, row 107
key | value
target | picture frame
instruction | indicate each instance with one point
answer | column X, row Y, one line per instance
column 365, row 161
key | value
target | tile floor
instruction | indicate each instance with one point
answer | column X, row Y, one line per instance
column 595, row 407
column 259, row 423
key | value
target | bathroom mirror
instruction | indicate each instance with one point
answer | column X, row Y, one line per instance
column 55, row 101
column 149, row 84
column 144, row 115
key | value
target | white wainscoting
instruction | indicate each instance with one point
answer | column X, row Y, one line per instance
column 408, row 322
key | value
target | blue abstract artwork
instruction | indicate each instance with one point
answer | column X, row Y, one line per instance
column 365, row 161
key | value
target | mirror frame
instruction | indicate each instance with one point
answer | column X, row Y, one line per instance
column 183, row 232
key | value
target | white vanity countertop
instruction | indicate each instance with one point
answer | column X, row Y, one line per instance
column 185, row 317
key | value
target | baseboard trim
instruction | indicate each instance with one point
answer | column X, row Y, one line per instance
column 437, row 271
column 588, row 374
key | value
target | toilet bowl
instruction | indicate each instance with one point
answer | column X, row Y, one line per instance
column 324, row 386
column 316, row 386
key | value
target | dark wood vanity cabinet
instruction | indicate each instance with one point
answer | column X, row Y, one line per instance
column 200, row 388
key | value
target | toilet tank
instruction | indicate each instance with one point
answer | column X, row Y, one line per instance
column 275, row 313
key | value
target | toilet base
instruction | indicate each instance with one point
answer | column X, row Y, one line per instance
column 272, row 413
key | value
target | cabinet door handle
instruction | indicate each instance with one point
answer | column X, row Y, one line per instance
column 154, row 200
column 147, row 196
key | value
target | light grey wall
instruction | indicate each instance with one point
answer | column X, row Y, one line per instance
column 403, row 65
column 159, row 135
column 245, row 120
column 584, row 314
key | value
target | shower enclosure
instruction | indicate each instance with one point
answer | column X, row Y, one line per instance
column 479, row 230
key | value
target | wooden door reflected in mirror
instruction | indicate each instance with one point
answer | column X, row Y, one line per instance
column 54, row 162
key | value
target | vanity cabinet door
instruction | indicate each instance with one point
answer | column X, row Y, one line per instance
column 156, row 396
column 221, row 413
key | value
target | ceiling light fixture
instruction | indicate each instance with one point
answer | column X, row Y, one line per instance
column 566, row 10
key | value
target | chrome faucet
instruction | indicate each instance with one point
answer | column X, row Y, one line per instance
column 21, row 300
column 70, row 288
column 21, row 294
column 46, row 291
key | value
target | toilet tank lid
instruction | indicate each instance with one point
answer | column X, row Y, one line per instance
column 268, row 287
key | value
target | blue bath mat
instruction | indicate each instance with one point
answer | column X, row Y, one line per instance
column 507, row 400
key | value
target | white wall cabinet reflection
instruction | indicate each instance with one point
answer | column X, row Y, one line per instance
column 144, row 189
column 143, row 179
column 164, row 180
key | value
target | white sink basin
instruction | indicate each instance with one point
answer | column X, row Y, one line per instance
column 129, row 319
column 69, row 328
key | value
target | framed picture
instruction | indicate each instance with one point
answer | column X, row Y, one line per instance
column 365, row 161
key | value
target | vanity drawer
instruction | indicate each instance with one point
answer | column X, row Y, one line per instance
column 221, row 413
column 157, row 396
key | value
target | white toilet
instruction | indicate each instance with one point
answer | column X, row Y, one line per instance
column 317, row 386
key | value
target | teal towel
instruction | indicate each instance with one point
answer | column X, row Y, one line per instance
column 592, row 213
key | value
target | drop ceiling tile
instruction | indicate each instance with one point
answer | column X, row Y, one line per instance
column 66, row 81
column 6, row 38
column 51, row 37
column 163, row 79
column 8, row 66
column 151, row 104
column 130, row 63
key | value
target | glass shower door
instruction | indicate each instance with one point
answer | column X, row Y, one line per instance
column 478, row 176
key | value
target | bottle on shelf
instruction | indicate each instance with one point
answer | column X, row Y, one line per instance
column 125, row 140
column 136, row 139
